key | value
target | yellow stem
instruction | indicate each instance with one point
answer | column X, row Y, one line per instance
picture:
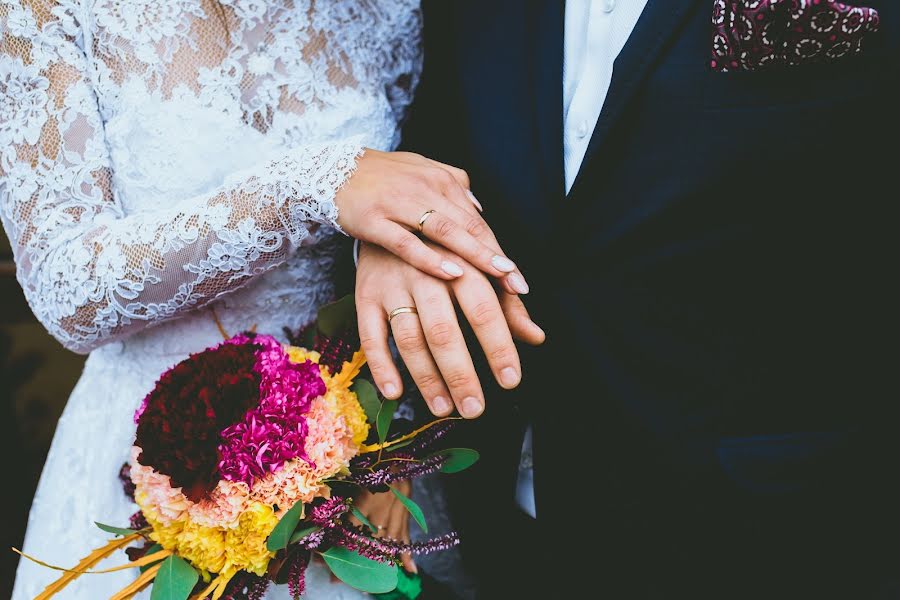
column 408, row 436
column 218, row 323
column 86, row 563
column 138, row 584
column 145, row 560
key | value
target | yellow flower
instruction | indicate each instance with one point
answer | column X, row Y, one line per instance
column 218, row 549
column 345, row 403
column 299, row 355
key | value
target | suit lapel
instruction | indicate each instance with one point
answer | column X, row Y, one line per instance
column 546, row 24
column 659, row 22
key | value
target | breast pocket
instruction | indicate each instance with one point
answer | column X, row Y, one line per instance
column 799, row 87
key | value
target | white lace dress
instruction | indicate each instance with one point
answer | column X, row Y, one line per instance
column 161, row 158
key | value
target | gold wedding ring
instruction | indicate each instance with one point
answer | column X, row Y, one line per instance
column 402, row 310
column 423, row 219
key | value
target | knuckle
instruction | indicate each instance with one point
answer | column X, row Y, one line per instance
column 463, row 176
column 484, row 312
column 444, row 228
column 477, row 227
column 501, row 354
column 459, row 379
column 404, row 244
column 408, row 339
column 441, row 334
column 427, row 381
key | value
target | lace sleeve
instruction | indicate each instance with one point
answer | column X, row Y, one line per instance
column 91, row 273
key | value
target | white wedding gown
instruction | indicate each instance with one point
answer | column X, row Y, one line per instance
column 162, row 159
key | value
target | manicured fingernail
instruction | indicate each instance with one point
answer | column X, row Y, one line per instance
column 501, row 263
column 452, row 269
column 509, row 377
column 538, row 328
column 390, row 390
column 441, row 405
column 475, row 200
column 471, row 407
column 413, row 566
column 517, row 282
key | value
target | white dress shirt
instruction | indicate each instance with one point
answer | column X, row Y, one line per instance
column 595, row 33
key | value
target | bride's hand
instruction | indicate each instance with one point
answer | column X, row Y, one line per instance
column 394, row 194
column 389, row 516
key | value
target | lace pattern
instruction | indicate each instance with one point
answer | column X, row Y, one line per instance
column 157, row 155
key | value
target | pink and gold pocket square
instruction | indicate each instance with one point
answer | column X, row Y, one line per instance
column 750, row 35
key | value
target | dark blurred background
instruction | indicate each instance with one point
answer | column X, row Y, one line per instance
column 36, row 376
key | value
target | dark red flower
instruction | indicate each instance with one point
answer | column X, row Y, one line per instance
column 180, row 420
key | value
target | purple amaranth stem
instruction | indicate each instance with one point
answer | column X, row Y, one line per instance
column 444, row 542
column 387, row 549
column 398, row 471
column 246, row 586
column 326, row 513
column 425, row 441
column 297, row 574
column 127, row 484
column 138, row 521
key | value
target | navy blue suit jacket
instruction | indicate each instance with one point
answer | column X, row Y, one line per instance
column 716, row 286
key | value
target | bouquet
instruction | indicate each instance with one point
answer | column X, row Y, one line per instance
column 245, row 464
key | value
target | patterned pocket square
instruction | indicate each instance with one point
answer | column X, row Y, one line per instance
column 749, row 35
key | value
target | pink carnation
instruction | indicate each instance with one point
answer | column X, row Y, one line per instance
column 275, row 431
column 156, row 491
column 329, row 445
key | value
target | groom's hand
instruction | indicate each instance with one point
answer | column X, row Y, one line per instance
column 429, row 338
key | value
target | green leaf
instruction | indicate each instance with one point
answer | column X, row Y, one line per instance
column 116, row 530
column 362, row 519
column 385, row 416
column 360, row 572
column 303, row 532
column 175, row 580
column 458, row 459
column 337, row 317
column 151, row 550
column 279, row 537
column 413, row 509
column 368, row 398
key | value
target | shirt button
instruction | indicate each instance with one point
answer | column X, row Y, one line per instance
column 581, row 130
column 609, row 5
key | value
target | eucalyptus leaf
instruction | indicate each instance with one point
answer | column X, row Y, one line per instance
column 368, row 398
column 337, row 317
column 360, row 572
column 413, row 509
column 280, row 536
column 363, row 519
column 458, row 459
column 116, row 530
column 151, row 550
column 385, row 416
column 175, row 580
column 303, row 532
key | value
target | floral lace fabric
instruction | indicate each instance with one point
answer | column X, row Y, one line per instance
column 156, row 155
column 162, row 156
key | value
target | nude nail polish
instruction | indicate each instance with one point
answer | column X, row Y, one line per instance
column 471, row 407
column 390, row 390
column 501, row 263
column 475, row 201
column 517, row 283
column 452, row 269
column 441, row 405
column 509, row 377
